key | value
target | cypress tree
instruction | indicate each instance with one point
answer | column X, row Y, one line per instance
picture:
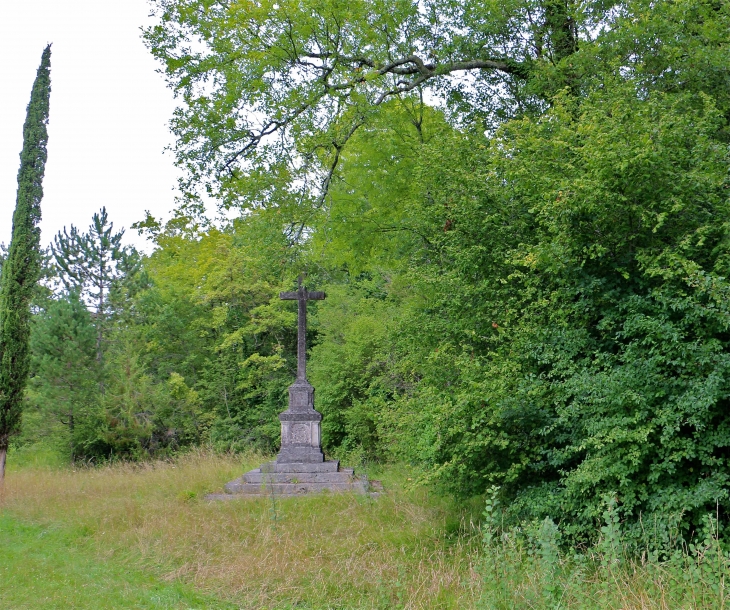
column 22, row 267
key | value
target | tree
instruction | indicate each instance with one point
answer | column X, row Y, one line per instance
column 65, row 366
column 22, row 267
column 91, row 263
column 273, row 90
column 546, row 274
column 213, row 316
column 283, row 85
column 3, row 257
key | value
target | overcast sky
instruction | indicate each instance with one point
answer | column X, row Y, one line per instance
column 109, row 112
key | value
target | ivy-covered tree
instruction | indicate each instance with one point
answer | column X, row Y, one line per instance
column 22, row 267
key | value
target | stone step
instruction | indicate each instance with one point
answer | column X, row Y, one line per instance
column 257, row 477
column 329, row 466
column 240, row 487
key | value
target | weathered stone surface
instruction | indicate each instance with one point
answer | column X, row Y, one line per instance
column 257, row 477
column 300, row 427
column 296, row 479
column 238, row 487
column 299, row 467
column 328, row 466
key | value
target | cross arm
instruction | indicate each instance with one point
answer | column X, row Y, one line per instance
column 315, row 295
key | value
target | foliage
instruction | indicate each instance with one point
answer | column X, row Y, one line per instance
column 526, row 266
column 213, row 316
column 65, row 371
column 273, row 89
column 585, row 351
column 350, row 367
column 525, row 567
column 141, row 416
column 93, row 265
column 21, row 268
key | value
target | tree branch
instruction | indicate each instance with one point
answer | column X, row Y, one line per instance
column 410, row 65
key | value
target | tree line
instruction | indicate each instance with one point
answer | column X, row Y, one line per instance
column 518, row 211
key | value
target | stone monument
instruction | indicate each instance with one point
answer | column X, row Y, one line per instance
column 300, row 467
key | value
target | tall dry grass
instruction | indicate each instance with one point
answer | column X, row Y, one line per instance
column 324, row 551
column 405, row 549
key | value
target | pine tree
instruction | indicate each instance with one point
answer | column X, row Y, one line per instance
column 65, row 371
column 22, row 267
column 90, row 263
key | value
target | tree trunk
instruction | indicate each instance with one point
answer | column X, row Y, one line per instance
column 100, row 331
column 563, row 37
column 99, row 318
column 71, row 433
column 3, row 456
column 561, row 29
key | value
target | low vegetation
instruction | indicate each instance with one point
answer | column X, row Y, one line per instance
column 404, row 548
column 528, row 302
column 143, row 536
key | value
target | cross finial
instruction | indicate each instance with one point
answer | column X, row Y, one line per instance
column 302, row 295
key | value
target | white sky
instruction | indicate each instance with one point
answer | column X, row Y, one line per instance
column 109, row 113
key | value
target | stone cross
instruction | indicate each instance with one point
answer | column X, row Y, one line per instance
column 300, row 466
column 300, row 423
column 302, row 295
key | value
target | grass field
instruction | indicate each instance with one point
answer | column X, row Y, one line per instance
column 143, row 536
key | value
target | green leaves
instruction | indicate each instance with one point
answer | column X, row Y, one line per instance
column 527, row 286
column 282, row 86
column 21, row 268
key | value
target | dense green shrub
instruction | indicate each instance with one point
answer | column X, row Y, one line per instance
column 579, row 301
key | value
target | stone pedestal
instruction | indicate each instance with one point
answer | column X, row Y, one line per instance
column 300, row 467
column 294, row 479
column 300, row 427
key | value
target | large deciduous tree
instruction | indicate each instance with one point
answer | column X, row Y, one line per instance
column 282, row 85
column 272, row 90
column 22, row 267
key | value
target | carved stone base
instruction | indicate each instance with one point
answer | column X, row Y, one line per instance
column 300, row 427
column 300, row 467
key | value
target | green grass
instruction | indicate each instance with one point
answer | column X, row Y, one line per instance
column 56, row 566
column 143, row 536
column 37, row 455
